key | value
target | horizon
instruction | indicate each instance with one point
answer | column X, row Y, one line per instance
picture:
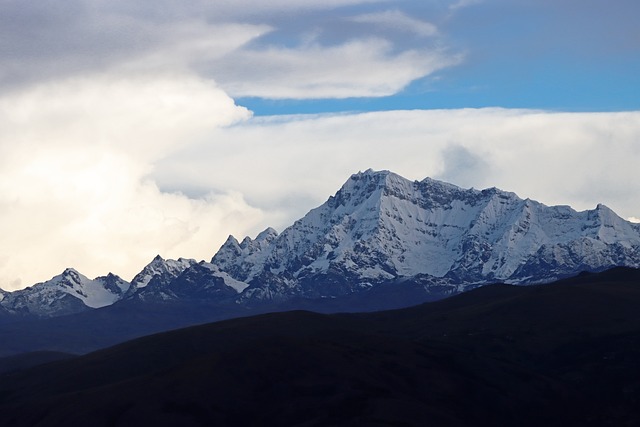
column 132, row 129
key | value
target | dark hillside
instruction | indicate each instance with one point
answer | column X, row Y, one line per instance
column 558, row 354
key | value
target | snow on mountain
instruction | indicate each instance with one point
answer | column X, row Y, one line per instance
column 155, row 277
column 380, row 233
column 204, row 281
column 244, row 260
column 66, row 293
column 380, row 227
column 167, row 279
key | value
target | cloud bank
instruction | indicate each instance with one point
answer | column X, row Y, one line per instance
column 74, row 159
column 579, row 159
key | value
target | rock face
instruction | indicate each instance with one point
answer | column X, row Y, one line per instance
column 379, row 235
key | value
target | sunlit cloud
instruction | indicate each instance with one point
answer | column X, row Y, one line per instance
column 74, row 189
column 568, row 158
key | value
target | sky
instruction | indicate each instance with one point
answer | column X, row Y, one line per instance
column 135, row 128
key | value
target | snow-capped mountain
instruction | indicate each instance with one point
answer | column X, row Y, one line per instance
column 67, row 293
column 380, row 228
column 167, row 279
column 378, row 237
column 154, row 279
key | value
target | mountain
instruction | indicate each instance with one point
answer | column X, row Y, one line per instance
column 381, row 241
column 380, row 228
column 154, row 279
column 562, row 354
column 69, row 292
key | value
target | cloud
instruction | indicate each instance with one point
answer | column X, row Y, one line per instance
column 42, row 42
column 398, row 20
column 359, row 68
column 250, row 48
column 74, row 190
column 459, row 164
column 579, row 159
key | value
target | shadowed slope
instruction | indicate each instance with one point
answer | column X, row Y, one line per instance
column 561, row 354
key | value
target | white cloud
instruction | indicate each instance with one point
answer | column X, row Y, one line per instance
column 360, row 68
column 398, row 20
column 556, row 158
column 73, row 176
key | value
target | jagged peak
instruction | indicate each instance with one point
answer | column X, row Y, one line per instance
column 381, row 177
column 71, row 274
column 267, row 234
column 245, row 242
column 70, row 270
column 231, row 241
column 438, row 183
column 607, row 215
column 362, row 185
column 371, row 172
column 157, row 258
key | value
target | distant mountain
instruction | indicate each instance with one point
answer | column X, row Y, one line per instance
column 380, row 228
column 563, row 354
column 156, row 277
column 381, row 241
column 69, row 292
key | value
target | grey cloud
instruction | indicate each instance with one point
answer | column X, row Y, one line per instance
column 462, row 167
column 48, row 40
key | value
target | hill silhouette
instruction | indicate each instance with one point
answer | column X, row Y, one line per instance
column 566, row 353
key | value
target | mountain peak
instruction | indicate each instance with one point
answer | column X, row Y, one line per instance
column 268, row 234
column 70, row 271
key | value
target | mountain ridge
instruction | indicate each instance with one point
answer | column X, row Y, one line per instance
column 378, row 230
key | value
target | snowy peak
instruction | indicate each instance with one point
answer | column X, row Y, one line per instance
column 268, row 235
column 160, row 269
column 66, row 293
column 95, row 293
column 237, row 259
column 381, row 227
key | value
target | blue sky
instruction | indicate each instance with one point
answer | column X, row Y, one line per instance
column 562, row 56
column 135, row 128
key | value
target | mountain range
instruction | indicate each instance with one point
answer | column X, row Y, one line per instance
column 381, row 241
